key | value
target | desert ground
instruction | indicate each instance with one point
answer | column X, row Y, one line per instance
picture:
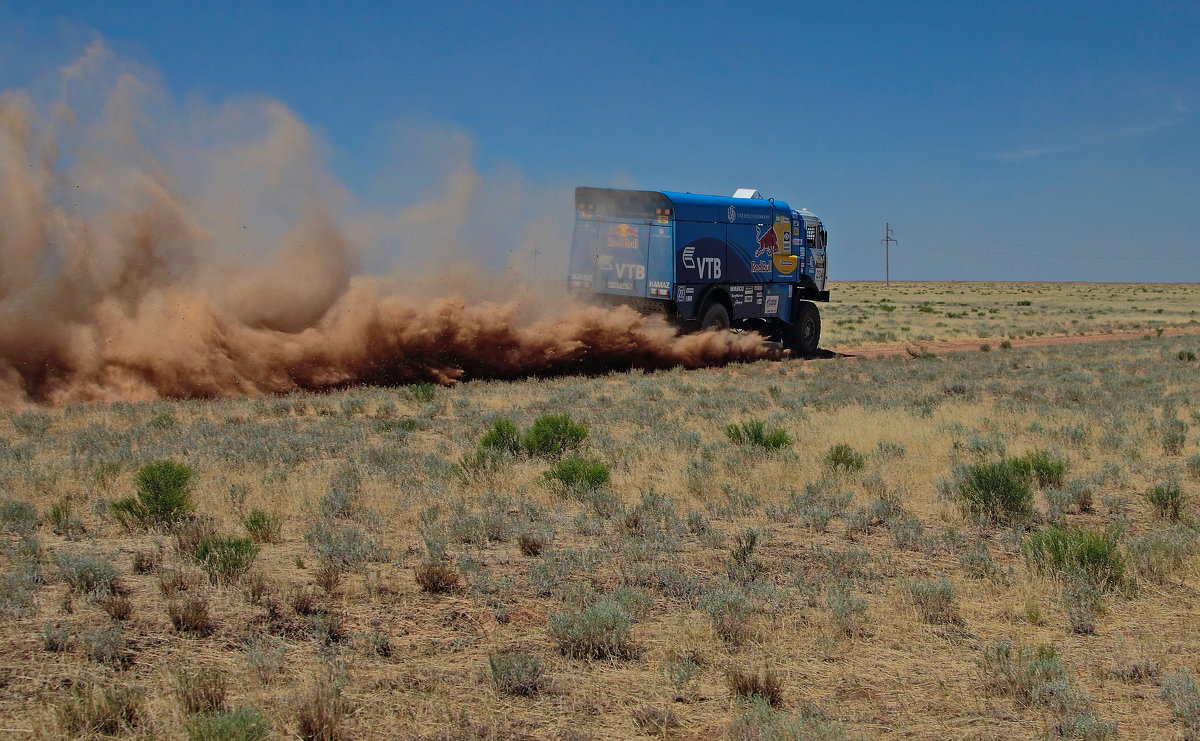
column 998, row 541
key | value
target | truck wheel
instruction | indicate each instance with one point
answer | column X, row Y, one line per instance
column 805, row 332
column 716, row 316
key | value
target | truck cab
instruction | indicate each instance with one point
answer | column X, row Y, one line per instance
column 705, row 261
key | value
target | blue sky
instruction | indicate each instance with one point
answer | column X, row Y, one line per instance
column 1003, row 141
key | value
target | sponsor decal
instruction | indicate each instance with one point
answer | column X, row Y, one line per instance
column 786, row 264
column 768, row 242
column 732, row 213
column 619, row 285
column 689, row 257
column 772, row 305
column 623, row 235
column 760, row 266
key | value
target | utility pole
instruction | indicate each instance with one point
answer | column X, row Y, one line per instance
column 887, row 243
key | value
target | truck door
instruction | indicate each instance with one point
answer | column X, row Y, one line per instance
column 660, row 262
column 622, row 249
column 820, row 235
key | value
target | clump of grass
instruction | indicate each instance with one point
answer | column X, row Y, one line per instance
column 994, row 492
column 18, row 516
column 517, row 673
column 730, row 610
column 844, row 458
column 437, row 577
column 755, row 433
column 1174, row 436
column 225, row 559
column 553, row 436
column 109, row 710
column 935, row 600
column 750, row 684
column 238, row 724
column 190, row 615
column 162, row 498
column 345, row 546
column 1076, row 554
column 761, row 722
column 1161, row 553
column 1168, row 500
column 579, row 475
column 319, row 716
column 107, row 646
column 1186, row 356
column 655, row 720
column 1183, row 698
column 533, row 542
column 1046, row 467
column 600, row 631
column 263, row 526
column 201, row 692
column 63, row 521
column 56, row 636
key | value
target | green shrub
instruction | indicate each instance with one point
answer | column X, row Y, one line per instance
column 579, row 475
column 996, row 492
column 163, row 496
column 87, row 574
column 517, row 673
column 425, row 392
column 730, row 611
column 225, row 558
column 842, row 457
column 936, row 601
column 1073, row 553
column 238, row 724
column 263, row 526
column 503, row 437
column 1183, row 698
column 344, row 546
column 755, row 433
column 63, row 521
column 598, row 632
column 1186, row 356
column 552, row 436
column 1046, row 468
column 1168, row 500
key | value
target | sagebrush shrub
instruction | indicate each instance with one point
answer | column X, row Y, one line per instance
column 1021, row 672
column 755, row 433
column 579, row 475
column 225, row 559
column 552, row 436
column 162, row 498
column 842, row 457
column 1174, row 436
column 517, row 673
column 995, row 492
column 87, row 574
column 936, row 600
column 345, row 546
column 1183, row 698
column 600, row 631
column 239, row 724
column 1076, row 554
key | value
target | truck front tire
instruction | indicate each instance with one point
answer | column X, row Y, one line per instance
column 804, row 336
column 716, row 316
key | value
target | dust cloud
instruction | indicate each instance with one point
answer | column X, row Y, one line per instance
column 148, row 252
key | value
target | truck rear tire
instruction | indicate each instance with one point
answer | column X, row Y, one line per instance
column 716, row 316
column 804, row 335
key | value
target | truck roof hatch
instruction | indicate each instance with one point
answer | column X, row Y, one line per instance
column 747, row 193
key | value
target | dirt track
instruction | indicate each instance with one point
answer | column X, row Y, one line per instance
column 937, row 348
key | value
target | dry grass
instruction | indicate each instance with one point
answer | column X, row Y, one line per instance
column 701, row 558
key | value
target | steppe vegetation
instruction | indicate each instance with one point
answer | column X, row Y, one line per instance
column 866, row 313
column 981, row 545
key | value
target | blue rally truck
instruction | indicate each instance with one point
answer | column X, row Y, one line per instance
column 705, row 261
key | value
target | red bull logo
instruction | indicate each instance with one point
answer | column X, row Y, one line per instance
column 768, row 243
column 623, row 235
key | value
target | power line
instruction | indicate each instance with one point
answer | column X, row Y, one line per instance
column 1137, row 258
column 887, row 243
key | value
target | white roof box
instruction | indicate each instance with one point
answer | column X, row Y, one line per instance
column 747, row 193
